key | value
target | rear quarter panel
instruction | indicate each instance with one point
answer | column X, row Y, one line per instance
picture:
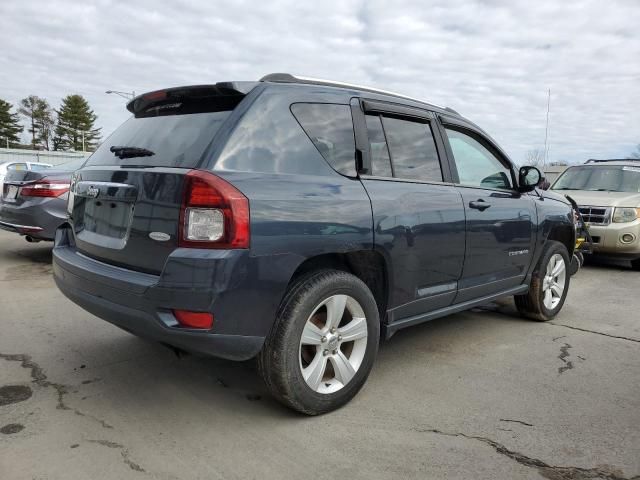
column 299, row 206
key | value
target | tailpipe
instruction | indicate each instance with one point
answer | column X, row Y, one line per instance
column 30, row 239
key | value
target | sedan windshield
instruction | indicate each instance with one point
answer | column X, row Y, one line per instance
column 605, row 178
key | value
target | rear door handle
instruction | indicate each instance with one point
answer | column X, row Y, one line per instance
column 479, row 205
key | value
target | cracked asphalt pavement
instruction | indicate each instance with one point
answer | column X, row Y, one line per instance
column 478, row 395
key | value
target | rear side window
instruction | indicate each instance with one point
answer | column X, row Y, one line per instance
column 178, row 140
column 37, row 167
column 413, row 150
column 330, row 128
column 402, row 148
column 380, row 160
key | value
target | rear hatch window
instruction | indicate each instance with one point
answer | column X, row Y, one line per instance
column 174, row 127
column 178, row 140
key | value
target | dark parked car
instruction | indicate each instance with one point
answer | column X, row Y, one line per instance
column 33, row 202
column 297, row 220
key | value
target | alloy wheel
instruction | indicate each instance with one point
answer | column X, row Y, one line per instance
column 554, row 281
column 333, row 344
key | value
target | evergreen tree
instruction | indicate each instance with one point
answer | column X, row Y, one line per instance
column 76, row 121
column 10, row 126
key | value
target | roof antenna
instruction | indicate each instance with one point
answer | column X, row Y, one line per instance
column 546, row 133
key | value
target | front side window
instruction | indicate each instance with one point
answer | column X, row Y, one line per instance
column 413, row 150
column 476, row 165
column 330, row 128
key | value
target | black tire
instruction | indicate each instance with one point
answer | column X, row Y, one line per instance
column 279, row 362
column 635, row 264
column 531, row 304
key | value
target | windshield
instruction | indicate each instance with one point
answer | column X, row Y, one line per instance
column 605, row 178
column 72, row 165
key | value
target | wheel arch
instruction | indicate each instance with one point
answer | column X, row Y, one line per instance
column 565, row 234
column 368, row 265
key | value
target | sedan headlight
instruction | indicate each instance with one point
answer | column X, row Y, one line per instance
column 624, row 215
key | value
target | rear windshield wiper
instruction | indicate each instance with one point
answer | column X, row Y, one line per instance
column 130, row 152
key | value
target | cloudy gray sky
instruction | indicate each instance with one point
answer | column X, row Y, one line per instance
column 491, row 60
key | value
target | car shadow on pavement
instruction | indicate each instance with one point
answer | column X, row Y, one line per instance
column 147, row 375
column 236, row 387
column 605, row 263
column 34, row 252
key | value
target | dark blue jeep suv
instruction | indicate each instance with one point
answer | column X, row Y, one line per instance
column 297, row 220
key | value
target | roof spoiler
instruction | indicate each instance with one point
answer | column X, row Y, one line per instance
column 143, row 102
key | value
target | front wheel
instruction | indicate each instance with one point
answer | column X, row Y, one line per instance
column 323, row 344
column 635, row 264
column 549, row 285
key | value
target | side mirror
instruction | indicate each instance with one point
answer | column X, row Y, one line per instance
column 528, row 178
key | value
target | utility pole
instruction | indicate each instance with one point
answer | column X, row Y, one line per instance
column 546, row 132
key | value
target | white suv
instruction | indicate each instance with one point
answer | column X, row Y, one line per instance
column 608, row 194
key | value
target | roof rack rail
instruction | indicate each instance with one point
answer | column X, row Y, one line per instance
column 595, row 160
column 288, row 78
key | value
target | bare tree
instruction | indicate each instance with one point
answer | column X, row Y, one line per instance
column 40, row 117
column 636, row 153
column 45, row 124
column 535, row 157
column 29, row 108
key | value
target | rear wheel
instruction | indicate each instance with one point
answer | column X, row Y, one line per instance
column 323, row 344
column 549, row 285
column 635, row 264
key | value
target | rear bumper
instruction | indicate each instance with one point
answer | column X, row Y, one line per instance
column 22, row 229
column 38, row 218
column 142, row 304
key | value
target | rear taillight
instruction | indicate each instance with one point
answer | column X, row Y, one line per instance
column 214, row 213
column 45, row 188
